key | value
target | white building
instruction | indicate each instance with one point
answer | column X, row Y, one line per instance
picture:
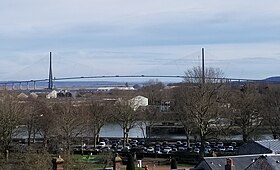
column 106, row 89
column 52, row 95
column 139, row 101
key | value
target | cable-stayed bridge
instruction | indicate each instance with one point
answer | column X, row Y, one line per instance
column 33, row 83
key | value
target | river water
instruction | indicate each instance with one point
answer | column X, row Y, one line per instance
column 108, row 130
column 114, row 130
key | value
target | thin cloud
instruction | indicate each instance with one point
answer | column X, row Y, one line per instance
column 112, row 34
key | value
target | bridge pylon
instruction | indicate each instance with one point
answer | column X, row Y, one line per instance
column 50, row 84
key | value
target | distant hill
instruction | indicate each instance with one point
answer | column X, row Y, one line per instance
column 274, row 79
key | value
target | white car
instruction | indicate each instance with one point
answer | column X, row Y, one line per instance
column 230, row 149
column 167, row 149
column 119, row 148
column 150, row 150
column 157, row 150
column 196, row 150
column 102, row 144
column 221, row 148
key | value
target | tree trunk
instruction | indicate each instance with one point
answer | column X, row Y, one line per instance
column 244, row 135
column 94, row 140
column 124, row 135
column 143, row 130
column 45, row 141
column 97, row 138
column 188, row 140
column 274, row 134
column 150, row 131
column 29, row 131
column 98, row 135
column 34, row 135
column 202, row 138
column 7, row 155
column 187, row 133
column 68, row 145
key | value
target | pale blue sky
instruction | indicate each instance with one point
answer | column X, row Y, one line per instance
column 126, row 37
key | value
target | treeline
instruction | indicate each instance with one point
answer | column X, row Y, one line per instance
column 204, row 106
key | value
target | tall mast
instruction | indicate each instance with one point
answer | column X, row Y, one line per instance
column 203, row 70
column 50, row 86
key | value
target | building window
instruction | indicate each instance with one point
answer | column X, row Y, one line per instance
column 165, row 106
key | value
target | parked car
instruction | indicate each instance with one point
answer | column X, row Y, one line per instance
column 134, row 145
column 234, row 144
column 90, row 148
column 174, row 150
column 181, row 148
column 179, row 143
column 230, row 149
column 106, row 140
column 102, row 144
column 134, row 141
column 208, row 149
column 126, row 149
column 196, row 150
column 142, row 142
column 106, row 149
column 143, row 149
column 150, row 149
column 167, row 150
column 164, row 143
column 212, row 144
column 158, row 151
column 221, row 148
column 119, row 148
column 128, row 146
column 198, row 144
column 220, row 144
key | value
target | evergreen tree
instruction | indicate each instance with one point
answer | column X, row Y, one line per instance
column 130, row 163
column 173, row 163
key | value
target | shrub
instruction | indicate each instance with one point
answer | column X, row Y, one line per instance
column 130, row 163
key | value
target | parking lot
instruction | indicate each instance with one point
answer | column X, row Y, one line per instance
column 157, row 148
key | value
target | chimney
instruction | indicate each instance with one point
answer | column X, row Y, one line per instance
column 229, row 164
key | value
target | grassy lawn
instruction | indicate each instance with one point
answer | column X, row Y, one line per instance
column 89, row 162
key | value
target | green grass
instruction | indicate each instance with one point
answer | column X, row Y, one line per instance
column 87, row 162
column 84, row 157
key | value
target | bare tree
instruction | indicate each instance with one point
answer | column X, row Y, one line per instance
column 271, row 107
column 96, row 114
column 45, row 122
column 33, row 111
column 31, row 161
column 203, row 99
column 69, row 122
column 211, row 75
column 149, row 116
column 183, row 114
column 126, row 116
column 153, row 91
column 246, row 112
column 10, row 116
